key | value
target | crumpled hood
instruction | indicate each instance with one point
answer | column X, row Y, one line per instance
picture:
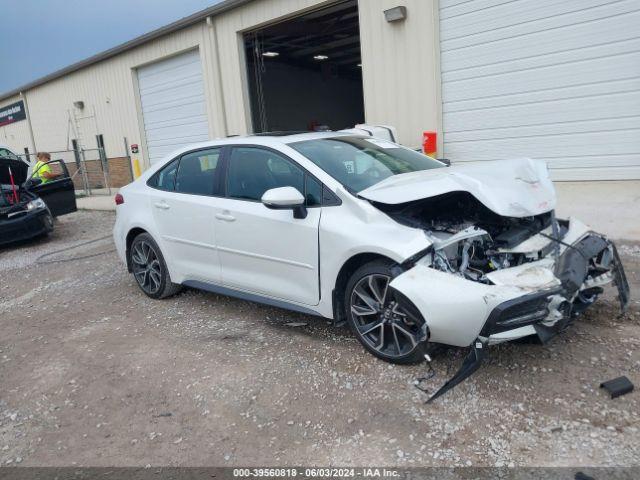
column 512, row 188
column 19, row 170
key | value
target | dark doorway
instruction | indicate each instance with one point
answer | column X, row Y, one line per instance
column 305, row 73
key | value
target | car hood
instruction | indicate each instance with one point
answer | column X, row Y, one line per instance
column 513, row 188
column 18, row 168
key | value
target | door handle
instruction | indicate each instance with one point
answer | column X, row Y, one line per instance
column 162, row 205
column 225, row 216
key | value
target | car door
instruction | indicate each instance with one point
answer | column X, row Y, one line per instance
column 266, row 251
column 58, row 193
column 183, row 200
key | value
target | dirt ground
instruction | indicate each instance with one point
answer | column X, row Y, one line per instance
column 93, row 373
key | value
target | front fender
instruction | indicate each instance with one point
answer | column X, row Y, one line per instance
column 454, row 308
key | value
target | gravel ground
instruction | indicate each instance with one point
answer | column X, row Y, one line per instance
column 94, row 373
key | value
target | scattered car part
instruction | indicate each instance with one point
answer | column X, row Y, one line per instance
column 470, row 365
column 583, row 476
column 429, row 375
column 618, row 386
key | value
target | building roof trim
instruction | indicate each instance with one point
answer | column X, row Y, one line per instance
column 216, row 9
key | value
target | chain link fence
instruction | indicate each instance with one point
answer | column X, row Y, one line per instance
column 89, row 169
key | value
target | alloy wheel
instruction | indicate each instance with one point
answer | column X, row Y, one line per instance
column 146, row 267
column 381, row 319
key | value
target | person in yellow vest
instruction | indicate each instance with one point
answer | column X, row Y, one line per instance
column 43, row 171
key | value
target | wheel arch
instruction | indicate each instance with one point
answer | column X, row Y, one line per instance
column 345, row 272
column 131, row 234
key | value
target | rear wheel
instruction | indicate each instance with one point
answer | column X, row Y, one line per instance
column 149, row 268
column 386, row 322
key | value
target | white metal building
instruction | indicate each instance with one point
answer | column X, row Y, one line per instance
column 552, row 79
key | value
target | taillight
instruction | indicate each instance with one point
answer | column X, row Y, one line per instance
column 119, row 199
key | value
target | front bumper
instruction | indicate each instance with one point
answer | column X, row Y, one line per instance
column 534, row 298
column 25, row 226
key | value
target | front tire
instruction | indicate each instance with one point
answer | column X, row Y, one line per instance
column 386, row 322
column 149, row 268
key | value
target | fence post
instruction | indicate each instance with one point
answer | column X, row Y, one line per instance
column 87, row 186
column 105, row 168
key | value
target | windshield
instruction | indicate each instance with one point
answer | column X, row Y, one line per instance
column 359, row 163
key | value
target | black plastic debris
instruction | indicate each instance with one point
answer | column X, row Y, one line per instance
column 617, row 386
column 583, row 476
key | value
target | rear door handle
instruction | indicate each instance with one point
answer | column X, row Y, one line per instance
column 225, row 216
column 162, row 205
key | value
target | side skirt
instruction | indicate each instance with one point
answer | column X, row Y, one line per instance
column 251, row 297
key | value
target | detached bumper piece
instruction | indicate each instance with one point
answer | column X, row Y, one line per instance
column 470, row 365
column 620, row 280
column 618, row 386
column 592, row 256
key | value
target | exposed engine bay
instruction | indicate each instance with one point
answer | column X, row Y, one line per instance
column 535, row 274
column 471, row 240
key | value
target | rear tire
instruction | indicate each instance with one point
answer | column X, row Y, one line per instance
column 386, row 322
column 149, row 268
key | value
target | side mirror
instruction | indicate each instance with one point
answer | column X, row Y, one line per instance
column 285, row 198
column 446, row 161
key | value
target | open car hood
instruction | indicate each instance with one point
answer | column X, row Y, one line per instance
column 19, row 169
column 512, row 188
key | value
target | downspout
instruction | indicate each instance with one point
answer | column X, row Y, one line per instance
column 31, row 136
column 213, row 37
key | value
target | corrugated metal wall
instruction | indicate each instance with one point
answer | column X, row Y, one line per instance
column 552, row 79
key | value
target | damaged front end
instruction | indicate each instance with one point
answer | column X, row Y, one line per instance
column 489, row 278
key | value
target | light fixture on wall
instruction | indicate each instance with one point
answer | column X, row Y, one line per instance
column 395, row 14
column 270, row 54
column 320, row 57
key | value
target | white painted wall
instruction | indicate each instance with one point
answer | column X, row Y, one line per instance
column 400, row 67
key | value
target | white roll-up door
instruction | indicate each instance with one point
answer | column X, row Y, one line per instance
column 557, row 80
column 173, row 104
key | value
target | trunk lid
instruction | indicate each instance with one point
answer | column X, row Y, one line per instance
column 512, row 188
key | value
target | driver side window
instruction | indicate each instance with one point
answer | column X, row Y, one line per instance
column 253, row 171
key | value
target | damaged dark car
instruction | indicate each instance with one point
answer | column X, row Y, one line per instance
column 27, row 205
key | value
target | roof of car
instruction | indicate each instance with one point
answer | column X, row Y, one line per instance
column 291, row 137
column 269, row 139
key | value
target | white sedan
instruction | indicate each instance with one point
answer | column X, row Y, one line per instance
column 409, row 252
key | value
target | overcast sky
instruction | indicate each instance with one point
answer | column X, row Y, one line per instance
column 41, row 36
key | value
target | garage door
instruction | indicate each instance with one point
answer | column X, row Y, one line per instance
column 173, row 105
column 557, row 80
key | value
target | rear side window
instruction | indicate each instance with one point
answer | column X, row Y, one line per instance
column 198, row 172
column 195, row 173
column 165, row 179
